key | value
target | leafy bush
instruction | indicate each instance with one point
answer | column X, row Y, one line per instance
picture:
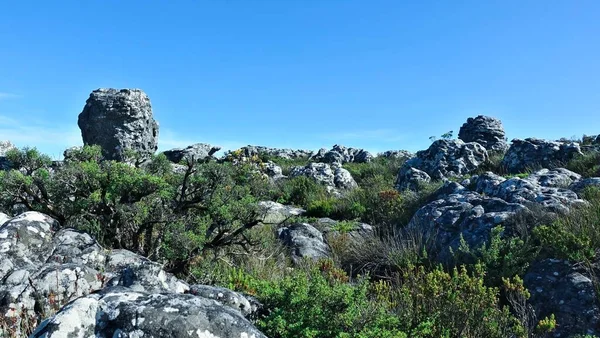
column 575, row 235
column 587, row 165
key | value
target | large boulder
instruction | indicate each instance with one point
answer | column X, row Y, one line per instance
column 332, row 176
column 443, row 159
column 304, row 241
column 118, row 120
column 121, row 312
column 341, row 155
column 531, row 152
column 274, row 213
column 197, row 152
column 569, row 292
column 103, row 292
column 485, row 130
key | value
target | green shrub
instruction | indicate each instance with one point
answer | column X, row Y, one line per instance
column 300, row 191
column 575, row 235
column 587, row 165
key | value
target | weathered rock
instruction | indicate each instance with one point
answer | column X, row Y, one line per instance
column 334, row 176
column 118, row 120
column 443, row 159
column 485, row 130
column 539, row 188
column 42, row 269
column 525, row 154
column 197, row 152
column 566, row 290
column 340, row 154
column 352, row 233
column 246, row 305
column 401, row 154
column 121, row 312
column 579, row 186
column 250, row 151
column 460, row 213
column 272, row 170
column 274, row 213
column 413, row 178
column 304, row 241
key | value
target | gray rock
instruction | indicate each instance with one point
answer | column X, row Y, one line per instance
column 118, row 120
column 246, row 305
column 457, row 213
column 564, row 289
column 401, row 154
column 272, row 170
column 5, row 146
column 274, row 213
column 485, row 130
column 43, row 269
column 250, row 151
column 579, row 186
column 443, row 159
column 121, row 312
column 197, row 152
column 412, row 179
column 537, row 188
column 304, row 241
column 334, row 176
column 341, row 155
column 531, row 152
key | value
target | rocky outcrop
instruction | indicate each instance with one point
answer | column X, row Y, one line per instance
column 341, row 155
column 412, row 179
column 304, row 241
column 103, row 292
column 531, row 152
column 566, row 290
column 118, row 120
column 333, row 177
column 250, row 151
column 197, row 152
column 272, row 170
column 471, row 210
column 121, row 312
column 400, row 154
column 274, row 213
column 485, row 130
column 443, row 159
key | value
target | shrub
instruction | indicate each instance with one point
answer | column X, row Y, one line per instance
column 587, row 165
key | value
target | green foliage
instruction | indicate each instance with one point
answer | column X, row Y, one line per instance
column 587, row 165
column 502, row 256
column 575, row 235
column 300, row 191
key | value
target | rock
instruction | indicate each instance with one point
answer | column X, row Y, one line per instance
column 120, row 312
column 290, row 154
column 304, row 240
column 485, row 130
column 525, row 154
column 353, row 234
column 118, row 120
column 101, row 291
column 272, row 170
column 198, row 152
column 537, row 188
column 554, row 178
column 334, row 177
column 564, row 289
column 412, row 179
column 460, row 213
column 579, row 186
column 246, row 305
column 341, row 155
column 401, row 154
column 275, row 213
column 443, row 159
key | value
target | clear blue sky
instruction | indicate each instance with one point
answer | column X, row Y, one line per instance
column 304, row 74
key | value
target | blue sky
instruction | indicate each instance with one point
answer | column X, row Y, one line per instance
column 303, row 74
